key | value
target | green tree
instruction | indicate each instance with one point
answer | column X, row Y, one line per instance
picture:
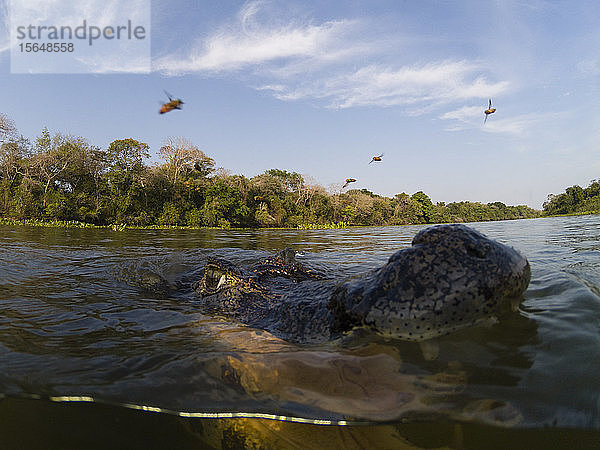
column 170, row 215
column 52, row 158
column 127, row 155
column 182, row 156
column 14, row 157
column 427, row 211
column 290, row 181
column 575, row 199
column 224, row 205
column 406, row 210
column 125, row 178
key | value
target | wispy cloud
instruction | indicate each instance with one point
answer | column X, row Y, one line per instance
column 376, row 85
column 465, row 117
column 123, row 64
column 470, row 117
column 514, row 125
column 338, row 64
column 249, row 42
column 464, row 114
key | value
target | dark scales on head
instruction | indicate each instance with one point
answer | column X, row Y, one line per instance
column 284, row 264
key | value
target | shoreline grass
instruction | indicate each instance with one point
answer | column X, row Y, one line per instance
column 311, row 226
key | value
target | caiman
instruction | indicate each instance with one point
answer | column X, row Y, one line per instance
column 451, row 277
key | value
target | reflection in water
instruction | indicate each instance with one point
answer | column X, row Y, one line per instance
column 378, row 381
column 83, row 312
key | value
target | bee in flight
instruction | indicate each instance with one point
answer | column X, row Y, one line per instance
column 173, row 103
column 376, row 158
column 489, row 111
column 348, row 181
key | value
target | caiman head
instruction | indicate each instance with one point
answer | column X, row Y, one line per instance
column 221, row 276
column 227, row 290
column 452, row 277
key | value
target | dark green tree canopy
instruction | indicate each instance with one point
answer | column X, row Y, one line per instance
column 575, row 200
column 127, row 154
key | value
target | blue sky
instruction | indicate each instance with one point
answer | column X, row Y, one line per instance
column 319, row 87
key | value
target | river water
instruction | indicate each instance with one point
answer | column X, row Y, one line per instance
column 83, row 348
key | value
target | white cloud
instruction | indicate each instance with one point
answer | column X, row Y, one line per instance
column 514, row 125
column 464, row 114
column 225, row 52
column 375, row 85
column 463, row 118
column 115, row 64
column 470, row 117
column 64, row 12
column 250, row 42
column 338, row 64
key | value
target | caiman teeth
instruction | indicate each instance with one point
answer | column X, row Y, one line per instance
column 221, row 282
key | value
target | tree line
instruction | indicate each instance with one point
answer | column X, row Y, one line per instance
column 64, row 177
column 575, row 200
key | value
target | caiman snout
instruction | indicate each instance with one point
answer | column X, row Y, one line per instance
column 452, row 277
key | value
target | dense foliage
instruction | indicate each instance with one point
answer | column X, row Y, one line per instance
column 575, row 200
column 64, row 178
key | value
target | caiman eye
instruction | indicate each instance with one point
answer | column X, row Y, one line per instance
column 215, row 278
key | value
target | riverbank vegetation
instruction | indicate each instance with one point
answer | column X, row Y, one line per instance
column 575, row 200
column 66, row 179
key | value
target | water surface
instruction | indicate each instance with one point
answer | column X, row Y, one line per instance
column 73, row 322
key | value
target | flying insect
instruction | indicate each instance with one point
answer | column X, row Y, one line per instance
column 489, row 111
column 376, row 158
column 348, row 181
column 173, row 103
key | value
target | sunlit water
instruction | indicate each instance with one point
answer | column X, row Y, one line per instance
column 74, row 322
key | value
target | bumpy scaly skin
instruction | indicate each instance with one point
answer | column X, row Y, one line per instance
column 452, row 277
column 284, row 264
